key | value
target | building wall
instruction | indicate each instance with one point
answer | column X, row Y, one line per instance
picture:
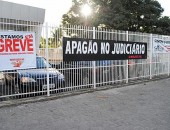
column 17, row 17
column 21, row 12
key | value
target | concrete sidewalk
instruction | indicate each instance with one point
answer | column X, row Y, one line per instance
column 136, row 107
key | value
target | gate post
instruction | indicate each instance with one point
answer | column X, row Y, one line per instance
column 47, row 58
column 94, row 63
column 151, row 56
column 127, row 66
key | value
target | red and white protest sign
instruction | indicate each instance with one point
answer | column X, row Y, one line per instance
column 17, row 50
column 161, row 45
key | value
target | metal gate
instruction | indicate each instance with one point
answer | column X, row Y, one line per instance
column 58, row 76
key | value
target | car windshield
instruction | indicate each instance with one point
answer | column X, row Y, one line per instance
column 42, row 63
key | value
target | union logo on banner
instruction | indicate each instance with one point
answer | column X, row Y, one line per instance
column 17, row 62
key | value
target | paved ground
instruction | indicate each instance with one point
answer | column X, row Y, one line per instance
column 136, row 107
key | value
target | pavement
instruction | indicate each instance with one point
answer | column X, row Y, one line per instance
column 144, row 106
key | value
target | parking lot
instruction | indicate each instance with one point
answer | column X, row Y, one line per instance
column 137, row 107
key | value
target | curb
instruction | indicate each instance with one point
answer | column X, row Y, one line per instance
column 10, row 103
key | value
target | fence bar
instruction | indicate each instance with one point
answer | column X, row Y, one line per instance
column 47, row 58
column 151, row 38
column 94, row 64
column 127, row 68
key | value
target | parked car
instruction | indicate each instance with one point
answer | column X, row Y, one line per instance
column 82, row 72
column 29, row 80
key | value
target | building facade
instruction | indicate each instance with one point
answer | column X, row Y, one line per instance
column 17, row 17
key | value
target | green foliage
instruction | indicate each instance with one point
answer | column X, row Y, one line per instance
column 131, row 15
column 56, row 37
column 163, row 26
column 42, row 42
column 54, row 41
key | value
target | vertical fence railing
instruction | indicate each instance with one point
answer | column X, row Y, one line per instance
column 127, row 64
column 150, row 62
column 94, row 64
column 47, row 58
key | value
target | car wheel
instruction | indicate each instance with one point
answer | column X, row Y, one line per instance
column 16, row 88
column 6, row 81
column 62, row 86
column 86, row 80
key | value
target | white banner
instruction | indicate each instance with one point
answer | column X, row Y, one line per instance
column 17, row 50
column 161, row 45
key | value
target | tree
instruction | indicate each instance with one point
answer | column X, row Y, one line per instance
column 56, row 37
column 163, row 26
column 131, row 15
column 42, row 42
column 51, row 43
column 142, row 15
column 54, row 40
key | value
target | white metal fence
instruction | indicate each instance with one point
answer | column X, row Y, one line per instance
column 70, row 76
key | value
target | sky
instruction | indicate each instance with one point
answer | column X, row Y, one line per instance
column 56, row 8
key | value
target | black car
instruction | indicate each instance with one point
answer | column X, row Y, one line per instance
column 32, row 80
column 82, row 72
